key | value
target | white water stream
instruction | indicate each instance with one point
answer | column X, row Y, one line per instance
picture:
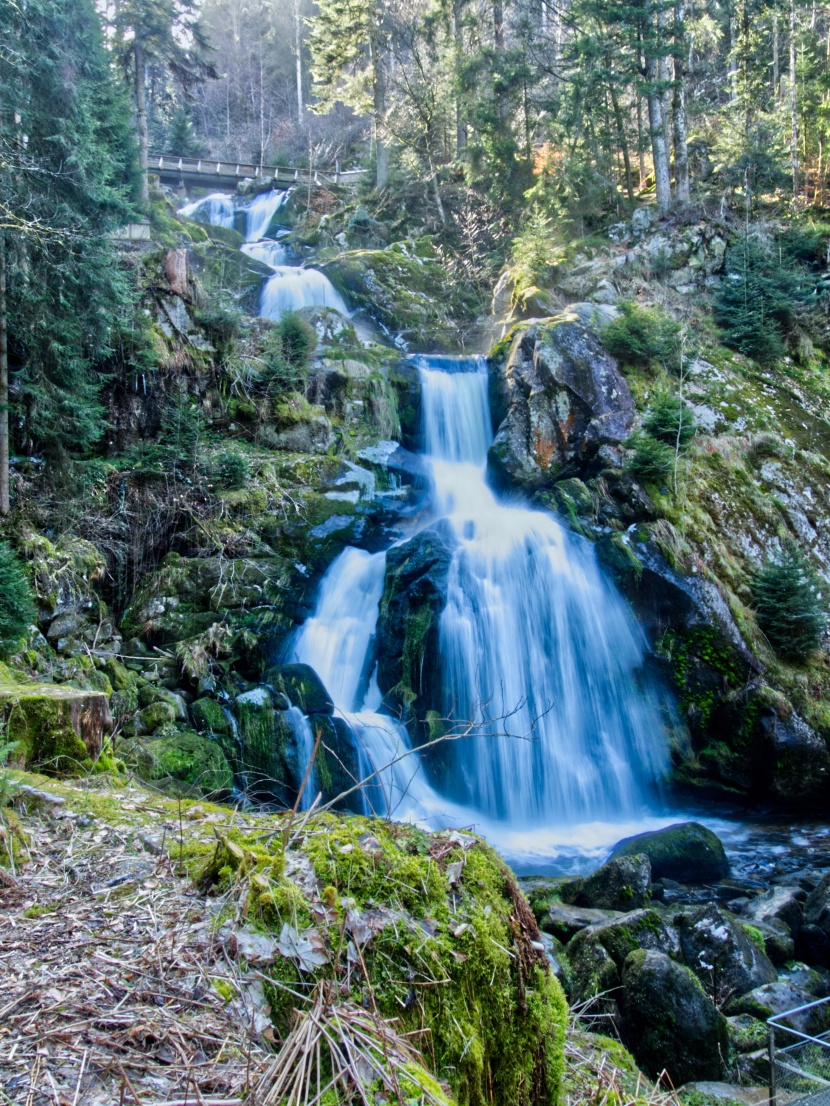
column 537, row 649
column 290, row 287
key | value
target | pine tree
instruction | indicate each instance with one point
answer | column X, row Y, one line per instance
column 790, row 599
column 17, row 605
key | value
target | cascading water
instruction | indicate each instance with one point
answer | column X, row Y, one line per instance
column 290, row 287
column 537, row 650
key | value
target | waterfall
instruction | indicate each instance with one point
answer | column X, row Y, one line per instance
column 218, row 210
column 537, row 649
column 301, row 728
column 290, row 287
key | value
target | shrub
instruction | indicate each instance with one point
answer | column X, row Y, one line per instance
column 232, row 469
column 642, row 336
column 653, row 460
column 670, row 420
column 535, row 254
column 790, row 603
column 286, row 352
column 180, row 434
column 17, row 604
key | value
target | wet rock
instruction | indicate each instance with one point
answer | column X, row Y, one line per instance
column 564, row 921
column 720, row 953
column 669, row 1021
column 813, row 945
column 150, row 695
column 562, row 396
column 414, row 595
column 302, row 687
column 794, row 761
column 746, row 1034
column 686, row 851
column 778, row 998
column 783, row 904
column 640, row 929
column 621, row 884
column 779, row 944
column 541, row 891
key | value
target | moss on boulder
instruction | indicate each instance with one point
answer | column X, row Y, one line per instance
column 58, row 729
column 442, row 935
column 686, row 851
column 189, row 764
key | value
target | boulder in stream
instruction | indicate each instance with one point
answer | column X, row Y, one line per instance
column 687, row 852
column 621, row 884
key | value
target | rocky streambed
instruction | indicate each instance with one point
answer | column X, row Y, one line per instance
column 685, row 948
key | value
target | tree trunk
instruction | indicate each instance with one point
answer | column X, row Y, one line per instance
column 379, row 112
column 498, row 45
column 298, row 59
column 641, row 151
column 458, row 39
column 733, row 61
column 776, row 64
column 665, row 80
column 4, row 385
column 619, row 122
column 681, row 149
column 658, row 137
column 793, row 100
column 141, row 119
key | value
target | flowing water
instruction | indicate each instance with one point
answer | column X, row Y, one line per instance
column 290, row 287
column 537, row 650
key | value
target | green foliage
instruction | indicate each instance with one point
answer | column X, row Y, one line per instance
column 535, row 254
column 64, row 187
column 644, row 336
column 181, row 137
column 286, row 353
column 755, row 304
column 180, row 434
column 670, row 420
column 17, row 604
column 222, row 319
column 791, row 603
column 232, row 469
column 653, row 460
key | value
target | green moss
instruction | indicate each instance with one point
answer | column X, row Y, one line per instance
column 190, row 765
column 755, row 935
column 44, row 721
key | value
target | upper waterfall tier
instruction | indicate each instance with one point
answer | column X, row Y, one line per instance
column 291, row 286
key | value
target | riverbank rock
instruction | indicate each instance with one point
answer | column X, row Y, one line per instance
column 406, row 290
column 641, row 929
column 622, row 884
column 687, row 852
column 301, row 685
column 669, row 1021
column 559, row 396
column 190, row 765
column 719, row 952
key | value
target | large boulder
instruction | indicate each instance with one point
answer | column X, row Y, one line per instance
column 301, row 685
column 669, row 1021
column 564, row 921
column 618, row 937
column 188, row 764
column 686, row 852
column 621, row 884
column 264, row 737
column 720, row 953
column 779, row 998
column 406, row 290
column 414, row 595
column 561, row 397
column 778, row 904
column 817, row 907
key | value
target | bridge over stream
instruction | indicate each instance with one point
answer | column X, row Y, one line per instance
column 227, row 174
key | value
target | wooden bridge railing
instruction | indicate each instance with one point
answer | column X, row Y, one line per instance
column 194, row 170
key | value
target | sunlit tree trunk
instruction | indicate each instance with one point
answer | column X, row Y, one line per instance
column 4, row 385
column 681, row 148
column 793, row 100
column 141, row 118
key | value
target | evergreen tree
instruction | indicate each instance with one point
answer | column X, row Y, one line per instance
column 17, row 605
column 66, row 175
column 756, row 300
column 167, row 33
column 791, row 603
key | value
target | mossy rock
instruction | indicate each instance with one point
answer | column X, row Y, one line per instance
column 58, row 729
column 189, row 764
column 423, row 910
column 687, row 852
column 264, row 736
column 301, row 686
column 407, row 290
column 670, row 1022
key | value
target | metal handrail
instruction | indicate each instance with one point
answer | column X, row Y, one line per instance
column 776, row 1062
column 172, row 163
